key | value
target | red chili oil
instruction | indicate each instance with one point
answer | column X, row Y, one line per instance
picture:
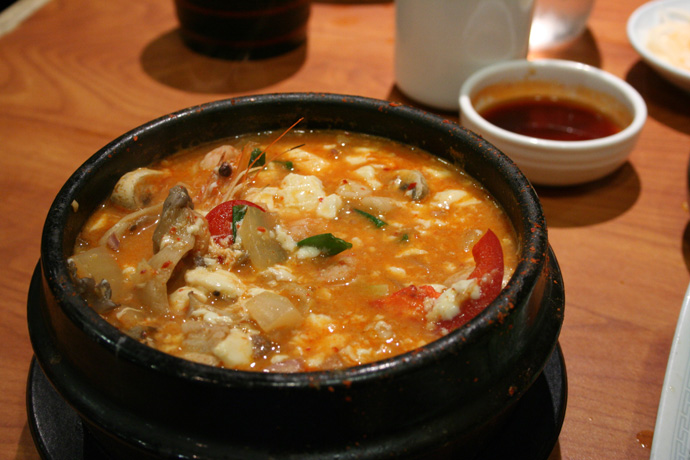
column 553, row 119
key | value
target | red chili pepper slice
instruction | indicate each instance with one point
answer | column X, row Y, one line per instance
column 488, row 259
column 220, row 219
column 408, row 301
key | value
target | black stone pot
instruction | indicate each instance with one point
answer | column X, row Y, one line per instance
column 448, row 395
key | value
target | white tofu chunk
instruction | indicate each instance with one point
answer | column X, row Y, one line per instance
column 356, row 160
column 285, row 239
column 368, row 174
column 396, row 271
column 447, row 305
column 412, row 252
column 222, row 282
column 212, row 317
column 280, row 273
column 308, row 252
column 447, row 197
column 266, row 196
column 179, row 299
column 235, row 349
column 329, row 206
column 307, row 161
column 318, row 321
column 302, row 192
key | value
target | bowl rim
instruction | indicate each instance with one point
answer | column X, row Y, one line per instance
column 635, row 32
column 554, row 147
column 532, row 259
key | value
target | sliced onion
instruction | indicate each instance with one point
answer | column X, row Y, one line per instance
column 257, row 234
column 152, row 292
column 97, row 263
column 126, row 222
column 273, row 311
column 158, row 270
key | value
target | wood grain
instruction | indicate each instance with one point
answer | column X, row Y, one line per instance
column 78, row 73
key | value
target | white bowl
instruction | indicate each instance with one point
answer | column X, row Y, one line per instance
column 551, row 162
column 671, row 431
column 641, row 22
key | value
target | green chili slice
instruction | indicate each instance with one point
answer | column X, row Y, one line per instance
column 238, row 212
column 375, row 220
column 257, row 158
column 328, row 244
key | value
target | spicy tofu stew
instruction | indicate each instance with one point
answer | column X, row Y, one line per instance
column 306, row 251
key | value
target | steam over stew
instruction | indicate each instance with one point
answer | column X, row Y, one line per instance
column 315, row 250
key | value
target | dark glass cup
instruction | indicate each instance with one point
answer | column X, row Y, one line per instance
column 241, row 29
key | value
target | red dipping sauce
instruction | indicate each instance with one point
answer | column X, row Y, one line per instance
column 552, row 119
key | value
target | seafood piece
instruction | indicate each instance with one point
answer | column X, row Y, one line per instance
column 133, row 191
column 412, row 183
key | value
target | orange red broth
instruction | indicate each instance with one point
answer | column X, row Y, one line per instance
column 346, row 303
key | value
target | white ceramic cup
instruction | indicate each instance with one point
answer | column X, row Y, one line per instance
column 439, row 43
column 558, row 22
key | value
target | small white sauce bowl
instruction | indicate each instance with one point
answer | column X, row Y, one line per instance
column 551, row 162
column 639, row 25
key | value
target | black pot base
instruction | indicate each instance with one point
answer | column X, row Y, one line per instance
column 530, row 432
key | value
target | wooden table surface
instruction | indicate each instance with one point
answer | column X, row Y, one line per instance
column 78, row 73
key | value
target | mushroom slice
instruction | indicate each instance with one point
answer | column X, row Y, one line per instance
column 133, row 191
column 142, row 216
column 180, row 230
column 412, row 183
column 179, row 221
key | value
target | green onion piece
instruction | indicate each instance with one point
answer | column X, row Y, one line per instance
column 326, row 242
column 404, row 238
column 375, row 220
column 238, row 213
column 257, row 158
